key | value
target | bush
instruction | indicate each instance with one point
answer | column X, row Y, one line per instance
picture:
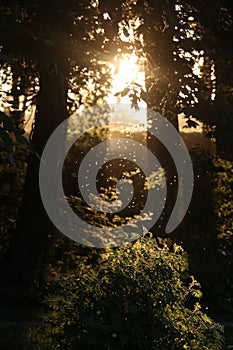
column 136, row 298
column 223, row 208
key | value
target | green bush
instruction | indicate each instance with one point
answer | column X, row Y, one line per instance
column 223, row 203
column 136, row 298
column 223, row 208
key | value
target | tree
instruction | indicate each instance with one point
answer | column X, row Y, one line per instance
column 78, row 37
column 177, row 37
column 53, row 39
column 216, row 109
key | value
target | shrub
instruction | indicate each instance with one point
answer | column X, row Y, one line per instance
column 223, row 208
column 136, row 298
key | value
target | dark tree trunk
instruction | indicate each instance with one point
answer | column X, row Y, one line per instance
column 22, row 262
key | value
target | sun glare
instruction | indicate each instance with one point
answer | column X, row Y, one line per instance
column 127, row 70
column 128, row 74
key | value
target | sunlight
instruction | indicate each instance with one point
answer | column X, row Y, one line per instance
column 128, row 77
column 128, row 69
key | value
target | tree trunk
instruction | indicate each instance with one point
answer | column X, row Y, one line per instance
column 22, row 261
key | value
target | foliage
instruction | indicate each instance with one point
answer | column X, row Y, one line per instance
column 209, row 225
column 58, row 41
column 10, row 135
column 74, row 34
column 216, row 110
column 223, row 209
column 64, row 39
column 223, row 192
column 176, row 36
column 188, row 61
column 12, row 179
column 135, row 298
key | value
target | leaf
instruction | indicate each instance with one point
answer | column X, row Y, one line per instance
column 126, row 33
column 125, row 92
column 191, row 124
column 122, row 93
